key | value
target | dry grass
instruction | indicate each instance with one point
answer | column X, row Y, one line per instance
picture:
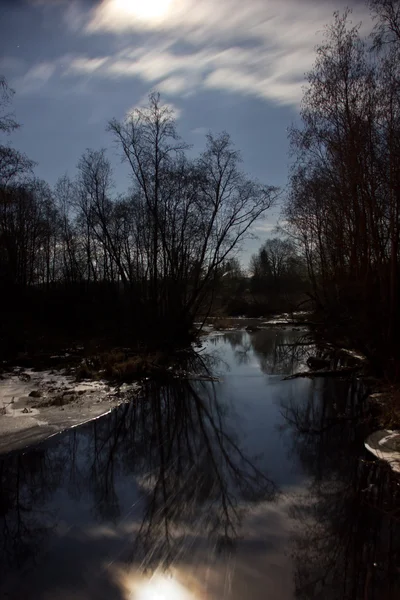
column 221, row 323
column 85, row 371
column 224, row 323
column 122, row 365
column 388, row 403
column 58, row 400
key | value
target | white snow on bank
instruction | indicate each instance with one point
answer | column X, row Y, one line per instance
column 354, row 354
column 278, row 322
column 16, row 386
column 59, row 402
column 287, row 318
column 390, row 456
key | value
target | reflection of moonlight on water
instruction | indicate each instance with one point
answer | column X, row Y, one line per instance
column 161, row 587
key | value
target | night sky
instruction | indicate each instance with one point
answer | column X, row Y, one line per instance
column 234, row 65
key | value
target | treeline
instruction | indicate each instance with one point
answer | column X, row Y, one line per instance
column 275, row 281
column 279, row 280
column 140, row 266
column 344, row 201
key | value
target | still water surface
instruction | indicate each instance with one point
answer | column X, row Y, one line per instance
column 245, row 487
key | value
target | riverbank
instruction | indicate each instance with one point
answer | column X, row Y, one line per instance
column 38, row 401
column 35, row 405
column 44, row 395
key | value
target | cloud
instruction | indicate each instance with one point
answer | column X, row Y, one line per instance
column 200, row 20
column 266, row 227
column 35, row 78
column 125, row 15
column 74, row 12
column 232, row 69
column 41, row 72
column 173, row 86
column 255, row 48
column 83, row 64
column 200, row 131
column 236, row 80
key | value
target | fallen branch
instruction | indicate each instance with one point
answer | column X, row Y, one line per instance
column 276, row 323
column 323, row 373
column 295, row 345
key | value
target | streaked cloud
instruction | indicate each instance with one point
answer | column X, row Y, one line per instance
column 125, row 15
column 200, row 20
column 266, row 227
column 233, row 69
column 173, row 86
column 255, row 48
column 41, row 72
column 83, row 64
column 200, row 131
column 35, row 78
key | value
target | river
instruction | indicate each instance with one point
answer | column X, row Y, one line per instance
column 233, row 483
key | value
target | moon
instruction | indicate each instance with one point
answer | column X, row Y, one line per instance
column 145, row 10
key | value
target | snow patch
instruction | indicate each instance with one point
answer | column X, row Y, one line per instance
column 378, row 442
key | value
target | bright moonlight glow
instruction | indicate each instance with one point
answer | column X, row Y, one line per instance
column 146, row 10
column 160, row 587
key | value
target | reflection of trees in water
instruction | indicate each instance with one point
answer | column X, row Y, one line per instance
column 243, row 353
column 193, row 476
column 348, row 537
column 26, row 483
column 240, row 342
column 232, row 337
column 189, row 477
column 348, row 544
column 322, row 420
column 280, row 351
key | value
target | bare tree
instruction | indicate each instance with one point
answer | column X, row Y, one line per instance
column 386, row 13
column 13, row 163
column 196, row 212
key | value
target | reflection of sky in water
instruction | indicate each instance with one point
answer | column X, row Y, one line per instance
column 254, row 397
column 187, row 495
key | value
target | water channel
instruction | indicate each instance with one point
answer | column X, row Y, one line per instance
column 241, row 485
